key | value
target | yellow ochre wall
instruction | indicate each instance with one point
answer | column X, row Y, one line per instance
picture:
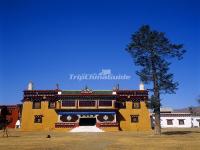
column 144, row 118
column 49, row 118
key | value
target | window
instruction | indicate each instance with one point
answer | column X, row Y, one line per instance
column 52, row 104
column 87, row 103
column 169, row 122
column 181, row 122
column 69, row 118
column 105, row 103
column 38, row 119
column 134, row 118
column 136, row 105
column 36, row 105
column 120, row 105
column 69, row 103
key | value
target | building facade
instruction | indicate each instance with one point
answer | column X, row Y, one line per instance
column 176, row 120
column 110, row 110
column 170, row 119
column 13, row 115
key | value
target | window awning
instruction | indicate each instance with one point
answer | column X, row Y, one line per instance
column 86, row 113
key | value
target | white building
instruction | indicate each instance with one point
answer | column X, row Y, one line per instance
column 169, row 119
column 196, row 121
column 176, row 120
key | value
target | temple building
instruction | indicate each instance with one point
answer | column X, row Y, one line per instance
column 109, row 110
column 13, row 115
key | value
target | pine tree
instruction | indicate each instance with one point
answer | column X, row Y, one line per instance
column 151, row 51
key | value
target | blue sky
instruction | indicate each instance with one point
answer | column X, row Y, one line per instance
column 45, row 41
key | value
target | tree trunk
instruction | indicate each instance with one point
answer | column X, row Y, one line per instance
column 157, row 98
column 157, row 112
column 157, row 109
column 157, row 121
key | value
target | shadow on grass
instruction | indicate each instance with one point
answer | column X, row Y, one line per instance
column 178, row 132
column 10, row 136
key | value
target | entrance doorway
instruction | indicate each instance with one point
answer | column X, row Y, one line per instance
column 87, row 121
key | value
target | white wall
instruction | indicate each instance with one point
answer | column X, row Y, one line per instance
column 175, row 120
column 189, row 121
column 196, row 121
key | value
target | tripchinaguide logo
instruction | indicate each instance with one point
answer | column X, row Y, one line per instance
column 104, row 74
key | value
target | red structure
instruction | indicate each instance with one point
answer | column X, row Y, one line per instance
column 14, row 114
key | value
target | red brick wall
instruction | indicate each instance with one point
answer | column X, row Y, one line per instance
column 13, row 117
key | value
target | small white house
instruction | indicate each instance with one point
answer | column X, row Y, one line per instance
column 170, row 119
column 176, row 120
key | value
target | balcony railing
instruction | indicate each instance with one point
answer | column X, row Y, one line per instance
column 111, row 124
column 66, row 125
column 81, row 104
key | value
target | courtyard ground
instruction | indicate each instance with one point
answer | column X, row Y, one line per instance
column 173, row 139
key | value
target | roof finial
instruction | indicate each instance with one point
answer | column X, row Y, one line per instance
column 86, row 90
column 141, row 86
column 30, row 85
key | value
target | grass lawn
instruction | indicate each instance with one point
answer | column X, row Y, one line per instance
column 171, row 139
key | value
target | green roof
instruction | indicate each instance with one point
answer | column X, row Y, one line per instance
column 93, row 92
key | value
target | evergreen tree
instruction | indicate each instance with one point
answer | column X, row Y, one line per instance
column 152, row 50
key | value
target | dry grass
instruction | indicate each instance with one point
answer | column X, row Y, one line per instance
column 173, row 139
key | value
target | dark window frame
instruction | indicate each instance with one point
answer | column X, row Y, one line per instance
column 33, row 105
column 134, row 118
column 91, row 103
column 120, row 104
column 68, row 101
column 38, row 119
column 179, row 121
column 105, row 103
column 169, row 121
column 136, row 105
column 49, row 106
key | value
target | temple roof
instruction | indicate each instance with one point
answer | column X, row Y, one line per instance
column 85, row 94
column 96, row 92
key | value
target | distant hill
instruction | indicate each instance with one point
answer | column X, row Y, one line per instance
column 195, row 110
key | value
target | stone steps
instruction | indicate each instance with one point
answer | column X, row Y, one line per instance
column 86, row 129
